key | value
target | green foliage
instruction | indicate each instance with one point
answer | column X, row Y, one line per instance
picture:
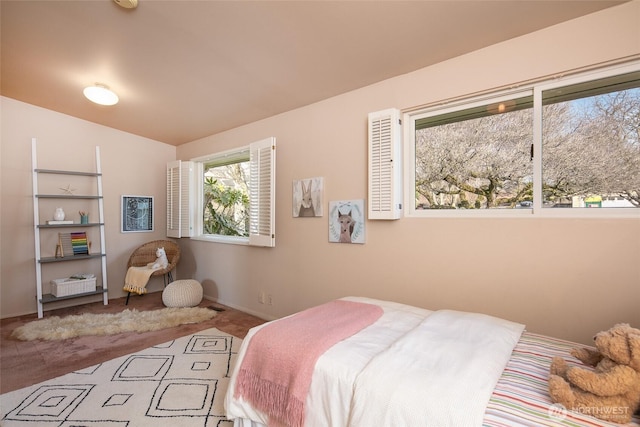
column 226, row 209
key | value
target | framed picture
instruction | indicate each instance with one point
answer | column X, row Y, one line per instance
column 346, row 221
column 307, row 197
column 137, row 214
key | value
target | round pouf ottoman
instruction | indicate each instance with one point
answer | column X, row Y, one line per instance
column 182, row 293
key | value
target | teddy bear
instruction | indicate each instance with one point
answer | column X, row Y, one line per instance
column 611, row 390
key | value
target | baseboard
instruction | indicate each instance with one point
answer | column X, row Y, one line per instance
column 19, row 314
column 258, row 314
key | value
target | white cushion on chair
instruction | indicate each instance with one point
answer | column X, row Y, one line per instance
column 182, row 293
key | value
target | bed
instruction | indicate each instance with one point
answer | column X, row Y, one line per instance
column 402, row 369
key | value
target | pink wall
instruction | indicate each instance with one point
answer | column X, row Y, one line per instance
column 546, row 273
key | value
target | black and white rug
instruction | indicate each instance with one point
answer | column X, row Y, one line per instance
column 178, row 383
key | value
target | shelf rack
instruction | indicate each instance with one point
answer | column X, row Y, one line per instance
column 101, row 288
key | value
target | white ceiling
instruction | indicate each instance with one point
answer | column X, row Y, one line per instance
column 188, row 69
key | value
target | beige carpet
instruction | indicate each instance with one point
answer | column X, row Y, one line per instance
column 59, row 328
column 178, row 383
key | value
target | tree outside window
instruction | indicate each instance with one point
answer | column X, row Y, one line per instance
column 482, row 162
column 482, row 157
column 226, row 199
column 592, row 151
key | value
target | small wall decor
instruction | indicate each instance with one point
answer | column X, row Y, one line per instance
column 346, row 221
column 137, row 214
column 307, row 197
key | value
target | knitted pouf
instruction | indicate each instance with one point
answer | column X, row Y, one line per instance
column 182, row 293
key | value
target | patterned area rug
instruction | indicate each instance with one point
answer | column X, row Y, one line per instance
column 178, row 383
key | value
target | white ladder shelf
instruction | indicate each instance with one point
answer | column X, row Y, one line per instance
column 101, row 287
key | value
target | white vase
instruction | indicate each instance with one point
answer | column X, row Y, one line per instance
column 58, row 215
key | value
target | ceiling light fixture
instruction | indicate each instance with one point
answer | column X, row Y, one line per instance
column 127, row 4
column 101, row 94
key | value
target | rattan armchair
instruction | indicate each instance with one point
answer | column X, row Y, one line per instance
column 146, row 253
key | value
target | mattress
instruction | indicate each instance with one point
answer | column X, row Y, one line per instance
column 520, row 396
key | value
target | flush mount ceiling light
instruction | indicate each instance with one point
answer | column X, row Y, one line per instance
column 127, row 4
column 100, row 94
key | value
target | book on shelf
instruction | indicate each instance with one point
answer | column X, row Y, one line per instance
column 80, row 276
column 54, row 222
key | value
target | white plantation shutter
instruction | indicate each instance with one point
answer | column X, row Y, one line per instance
column 385, row 165
column 180, row 199
column 262, row 192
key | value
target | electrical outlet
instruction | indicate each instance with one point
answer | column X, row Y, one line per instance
column 270, row 299
column 261, row 297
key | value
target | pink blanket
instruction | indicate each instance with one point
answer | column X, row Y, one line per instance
column 276, row 371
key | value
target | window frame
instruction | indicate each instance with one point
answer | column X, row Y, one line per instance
column 537, row 211
column 249, row 152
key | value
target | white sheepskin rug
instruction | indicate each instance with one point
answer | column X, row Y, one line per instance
column 60, row 328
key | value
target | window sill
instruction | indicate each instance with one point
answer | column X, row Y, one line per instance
column 232, row 240
column 574, row 213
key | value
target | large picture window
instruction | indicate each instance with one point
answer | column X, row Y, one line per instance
column 569, row 144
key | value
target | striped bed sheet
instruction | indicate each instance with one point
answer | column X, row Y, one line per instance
column 521, row 397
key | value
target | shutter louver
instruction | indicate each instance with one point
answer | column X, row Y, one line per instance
column 385, row 165
column 262, row 193
column 179, row 199
column 173, row 199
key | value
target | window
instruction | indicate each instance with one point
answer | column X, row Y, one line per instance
column 481, row 155
column 225, row 195
column 478, row 157
column 230, row 196
column 591, row 143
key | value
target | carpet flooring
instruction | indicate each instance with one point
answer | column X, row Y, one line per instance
column 24, row 363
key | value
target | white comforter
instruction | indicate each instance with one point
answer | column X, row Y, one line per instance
column 402, row 370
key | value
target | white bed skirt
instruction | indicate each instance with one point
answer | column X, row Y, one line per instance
column 243, row 422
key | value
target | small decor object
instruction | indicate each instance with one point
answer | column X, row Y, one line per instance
column 68, row 190
column 611, row 389
column 307, row 197
column 182, row 293
column 346, row 221
column 161, row 260
column 72, row 244
column 137, row 214
column 79, row 243
column 64, row 245
column 59, row 214
column 84, row 217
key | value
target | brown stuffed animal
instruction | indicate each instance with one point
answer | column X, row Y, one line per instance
column 611, row 391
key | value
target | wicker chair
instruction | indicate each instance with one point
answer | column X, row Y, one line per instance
column 146, row 253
